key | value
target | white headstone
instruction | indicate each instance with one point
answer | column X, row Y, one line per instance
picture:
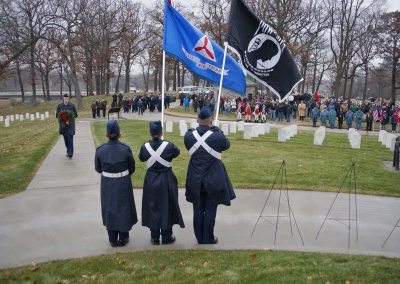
column 240, row 126
column 42, row 116
column 294, row 127
column 182, row 121
column 232, row 127
column 7, row 123
column 384, row 134
column 17, row 116
column 355, row 140
column 21, row 118
column 393, row 143
column 37, row 115
column 182, row 128
column 27, row 115
column 247, row 132
column 1, row 118
column 47, row 115
column 261, row 129
column 267, row 127
column 319, row 137
column 289, row 132
column 390, row 139
column 170, row 126
column 282, row 134
column 225, row 128
column 32, row 117
column 254, row 130
column 381, row 135
column 350, row 131
column 12, row 117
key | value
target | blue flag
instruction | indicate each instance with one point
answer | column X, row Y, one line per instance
column 199, row 53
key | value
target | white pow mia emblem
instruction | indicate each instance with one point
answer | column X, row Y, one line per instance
column 263, row 52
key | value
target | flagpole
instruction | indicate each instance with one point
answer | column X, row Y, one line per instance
column 163, row 90
column 220, row 82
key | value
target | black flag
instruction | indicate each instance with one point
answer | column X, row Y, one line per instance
column 262, row 52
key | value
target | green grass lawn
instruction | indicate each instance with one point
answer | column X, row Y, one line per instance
column 211, row 267
column 23, row 147
column 254, row 163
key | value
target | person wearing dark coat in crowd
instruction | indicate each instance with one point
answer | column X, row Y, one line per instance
column 207, row 181
column 98, row 107
column 114, row 100
column 160, row 207
column 115, row 162
column 93, row 106
column 104, row 106
column 120, row 98
column 67, row 131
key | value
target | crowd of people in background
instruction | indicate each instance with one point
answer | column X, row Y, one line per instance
column 330, row 113
column 325, row 112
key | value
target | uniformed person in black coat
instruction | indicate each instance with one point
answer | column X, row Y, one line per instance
column 160, row 207
column 207, row 181
column 115, row 162
column 67, row 131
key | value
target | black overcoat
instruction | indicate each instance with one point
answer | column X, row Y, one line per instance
column 160, row 206
column 207, row 172
column 70, row 129
column 118, row 208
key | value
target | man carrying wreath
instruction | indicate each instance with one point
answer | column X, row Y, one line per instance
column 66, row 114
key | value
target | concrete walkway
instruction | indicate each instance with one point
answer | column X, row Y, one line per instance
column 58, row 217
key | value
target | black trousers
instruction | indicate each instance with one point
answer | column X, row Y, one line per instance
column 204, row 215
column 165, row 234
column 369, row 126
column 114, row 236
column 69, row 144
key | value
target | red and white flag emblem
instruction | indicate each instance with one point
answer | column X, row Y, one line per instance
column 204, row 48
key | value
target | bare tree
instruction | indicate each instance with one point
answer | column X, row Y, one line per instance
column 390, row 47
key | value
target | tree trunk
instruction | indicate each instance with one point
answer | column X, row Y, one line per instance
column 167, row 81
column 183, row 75
column 33, row 74
column 353, row 74
column 119, row 76
column 21, row 83
column 155, row 87
column 178, row 74
column 127, row 71
column 75, row 81
column 365, row 83
column 61, row 81
column 43, row 86
column 394, row 69
column 160, row 79
column 108, row 77
column 174, row 78
column 47, row 84
column 314, row 76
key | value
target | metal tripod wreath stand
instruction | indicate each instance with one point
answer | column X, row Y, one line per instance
column 283, row 182
column 351, row 177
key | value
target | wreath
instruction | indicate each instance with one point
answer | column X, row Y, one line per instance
column 66, row 118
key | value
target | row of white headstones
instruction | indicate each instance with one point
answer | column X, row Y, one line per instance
column 250, row 130
column 353, row 136
column 387, row 139
column 20, row 117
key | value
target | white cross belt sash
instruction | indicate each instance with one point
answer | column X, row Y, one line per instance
column 201, row 141
column 116, row 175
column 155, row 156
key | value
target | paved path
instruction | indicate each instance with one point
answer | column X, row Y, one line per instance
column 58, row 217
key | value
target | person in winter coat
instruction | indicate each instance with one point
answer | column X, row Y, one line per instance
column 207, row 181
column 160, row 207
column 115, row 162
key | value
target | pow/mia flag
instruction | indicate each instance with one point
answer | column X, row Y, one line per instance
column 261, row 51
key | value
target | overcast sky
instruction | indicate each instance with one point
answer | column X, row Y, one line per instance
column 392, row 5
